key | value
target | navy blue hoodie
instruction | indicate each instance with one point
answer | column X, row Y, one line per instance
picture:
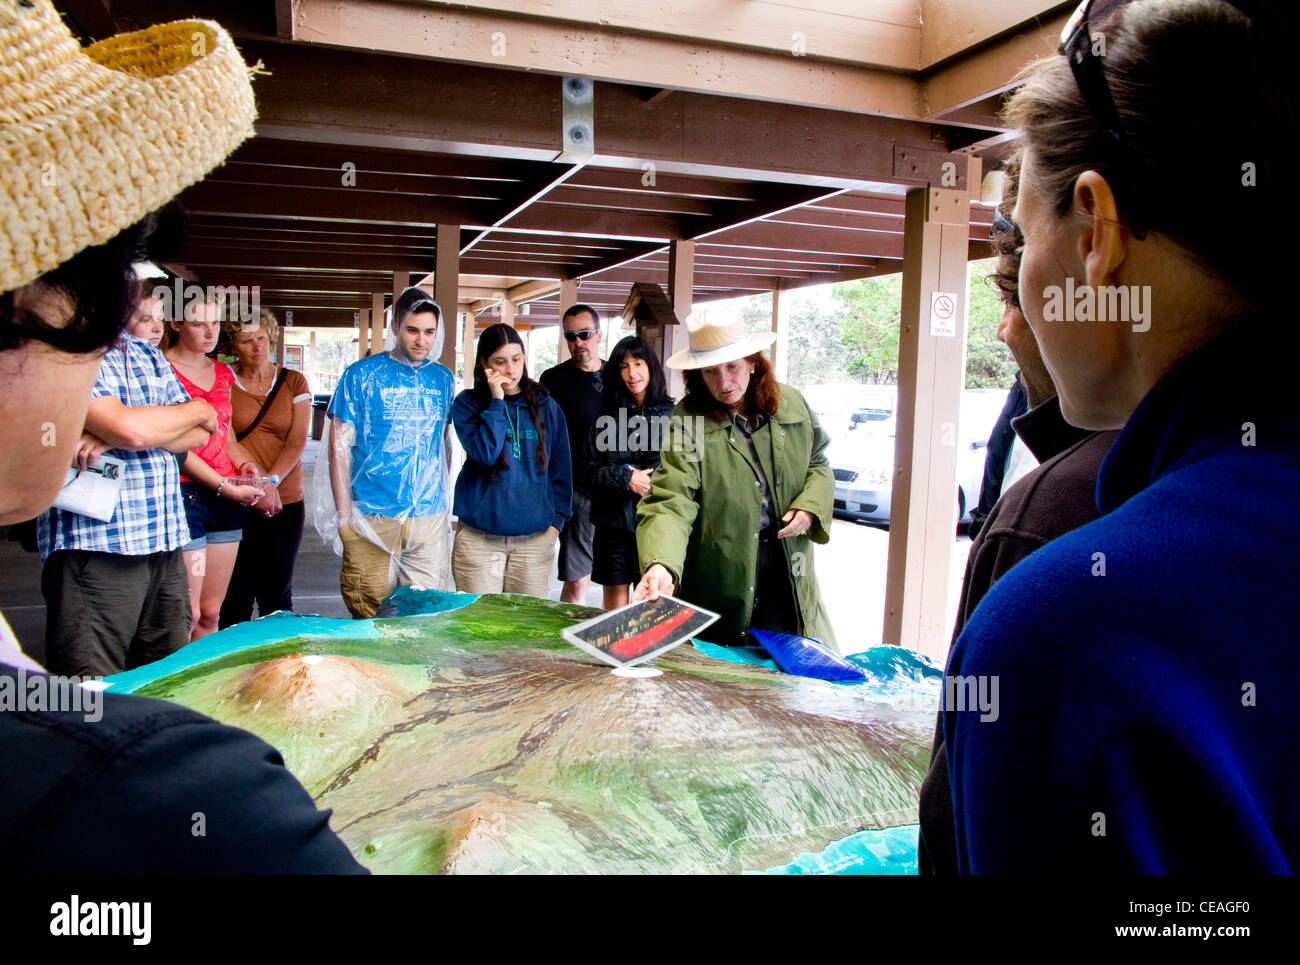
column 524, row 498
column 1147, row 663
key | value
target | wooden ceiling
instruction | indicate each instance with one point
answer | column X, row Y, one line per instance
column 361, row 154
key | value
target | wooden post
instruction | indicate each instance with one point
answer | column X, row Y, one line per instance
column 363, row 333
column 401, row 281
column 467, row 348
column 377, row 321
column 446, row 286
column 311, row 358
column 781, row 325
column 507, row 311
column 568, row 298
column 681, row 292
column 931, row 374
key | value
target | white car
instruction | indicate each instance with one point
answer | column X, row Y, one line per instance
column 863, row 459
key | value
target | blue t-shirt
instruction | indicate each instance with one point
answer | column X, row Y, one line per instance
column 399, row 412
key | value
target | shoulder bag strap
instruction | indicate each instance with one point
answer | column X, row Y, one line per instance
column 270, row 397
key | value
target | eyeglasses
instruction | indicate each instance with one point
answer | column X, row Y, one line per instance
column 585, row 334
column 1002, row 225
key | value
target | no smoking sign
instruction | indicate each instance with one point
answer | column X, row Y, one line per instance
column 943, row 314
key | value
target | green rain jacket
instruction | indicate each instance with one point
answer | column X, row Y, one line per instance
column 701, row 516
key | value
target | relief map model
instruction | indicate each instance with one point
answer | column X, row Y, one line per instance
column 462, row 734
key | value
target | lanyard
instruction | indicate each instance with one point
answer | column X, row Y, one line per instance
column 514, row 426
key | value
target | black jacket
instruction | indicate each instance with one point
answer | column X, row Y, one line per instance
column 629, row 437
column 150, row 788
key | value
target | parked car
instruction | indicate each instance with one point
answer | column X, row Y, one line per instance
column 842, row 407
column 863, row 460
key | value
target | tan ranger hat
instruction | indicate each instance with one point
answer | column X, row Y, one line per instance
column 717, row 334
column 93, row 139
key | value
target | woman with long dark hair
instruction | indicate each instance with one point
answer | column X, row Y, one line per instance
column 515, row 490
column 743, row 491
column 621, row 452
column 1145, row 661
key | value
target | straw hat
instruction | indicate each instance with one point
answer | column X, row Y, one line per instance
column 93, row 139
column 718, row 334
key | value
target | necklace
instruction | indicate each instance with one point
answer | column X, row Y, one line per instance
column 513, row 427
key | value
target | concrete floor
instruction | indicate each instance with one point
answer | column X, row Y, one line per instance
column 850, row 570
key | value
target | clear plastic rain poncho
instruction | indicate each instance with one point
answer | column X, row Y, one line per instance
column 389, row 466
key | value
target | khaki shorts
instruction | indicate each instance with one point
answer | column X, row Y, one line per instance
column 483, row 563
column 383, row 552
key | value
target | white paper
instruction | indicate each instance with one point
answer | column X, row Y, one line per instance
column 93, row 492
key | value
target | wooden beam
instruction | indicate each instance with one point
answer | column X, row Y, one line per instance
column 568, row 298
column 681, row 292
column 931, row 363
column 273, row 258
column 979, row 73
column 772, row 71
column 284, row 25
column 951, row 28
column 314, row 95
column 363, row 334
column 781, row 325
column 524, row 195
column 215, row 196
column 467, row 351
column 377, row 320
column 446, row 286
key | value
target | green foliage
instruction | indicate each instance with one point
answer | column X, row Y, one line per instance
column 853, row 335
column 871, row 316
column 816, row 351
column 989, row 364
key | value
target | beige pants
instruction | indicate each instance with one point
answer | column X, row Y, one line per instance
column 483, row 563
column 382, row 552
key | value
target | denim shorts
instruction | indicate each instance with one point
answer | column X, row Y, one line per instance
column 211, row 518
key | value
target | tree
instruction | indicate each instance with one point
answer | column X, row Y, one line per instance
column 989, row 363
column 815, row 350
column 870, row 326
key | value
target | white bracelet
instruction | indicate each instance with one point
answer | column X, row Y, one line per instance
column 224, row 480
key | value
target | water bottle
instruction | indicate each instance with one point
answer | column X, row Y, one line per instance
column 256, row 481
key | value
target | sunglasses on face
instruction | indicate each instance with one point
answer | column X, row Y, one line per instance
column 584, row 335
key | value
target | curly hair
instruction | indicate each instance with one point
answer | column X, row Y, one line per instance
column 1008, row 244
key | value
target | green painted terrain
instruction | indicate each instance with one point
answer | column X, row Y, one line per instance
column 477, row 740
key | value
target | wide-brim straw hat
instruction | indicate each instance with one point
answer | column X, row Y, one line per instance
column 93, row 139
column 717, row 334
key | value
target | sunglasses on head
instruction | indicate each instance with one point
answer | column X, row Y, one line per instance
column 585, row 334
column 1001, row 225
column 1084, row 47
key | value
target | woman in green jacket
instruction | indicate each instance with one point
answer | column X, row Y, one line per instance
column 742, row 493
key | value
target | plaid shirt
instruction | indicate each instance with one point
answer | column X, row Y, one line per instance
column 150, row 515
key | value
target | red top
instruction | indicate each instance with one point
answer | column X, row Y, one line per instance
column 214, row 451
